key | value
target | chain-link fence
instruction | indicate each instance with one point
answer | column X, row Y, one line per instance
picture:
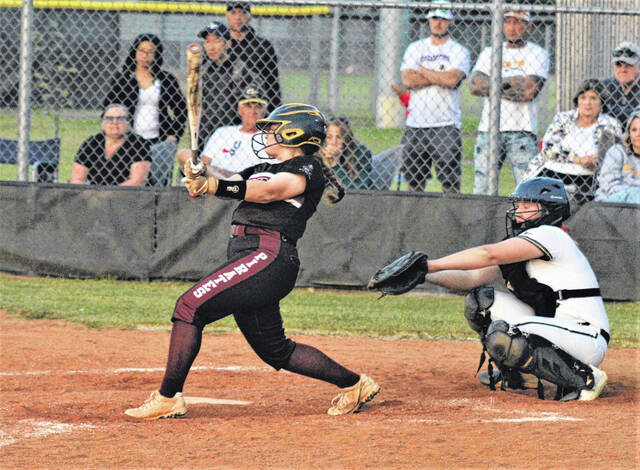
column 421, row 96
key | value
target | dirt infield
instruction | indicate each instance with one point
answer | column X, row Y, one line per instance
column 64, row 389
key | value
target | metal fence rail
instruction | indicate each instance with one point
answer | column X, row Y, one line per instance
column 341, row 56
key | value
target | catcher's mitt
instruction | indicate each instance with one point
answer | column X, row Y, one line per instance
column 401, row 275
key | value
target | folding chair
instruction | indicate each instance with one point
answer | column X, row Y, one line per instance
column 44, row 156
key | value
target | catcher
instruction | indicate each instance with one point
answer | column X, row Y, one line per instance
column 551, row 324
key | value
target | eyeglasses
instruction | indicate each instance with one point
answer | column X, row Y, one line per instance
column 115, row 118
column 150, row 53
column 626, row 52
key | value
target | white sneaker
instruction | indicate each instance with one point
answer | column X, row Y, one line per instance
column 599, row 382
column 351, row 399
column 158, row 406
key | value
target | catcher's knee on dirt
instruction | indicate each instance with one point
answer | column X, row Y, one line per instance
column 536, row 355
column 476, row 308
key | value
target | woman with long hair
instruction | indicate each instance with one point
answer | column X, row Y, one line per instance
column 619, row 177
column 276, row 201
column 155, row 102
column 346, row 155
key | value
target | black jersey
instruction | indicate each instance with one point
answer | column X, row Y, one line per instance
column 290, row 216
column 115, row 170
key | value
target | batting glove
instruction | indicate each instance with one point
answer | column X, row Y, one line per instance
column 200, row 185
column 193, row 171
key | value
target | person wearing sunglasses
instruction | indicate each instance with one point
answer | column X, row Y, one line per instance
column 114, row 156
column 624, row 87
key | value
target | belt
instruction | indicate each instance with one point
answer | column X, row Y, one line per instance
column 574, row 293
column 244, row 230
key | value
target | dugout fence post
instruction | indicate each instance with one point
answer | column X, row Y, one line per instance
column 24, row 94
column 497, row 19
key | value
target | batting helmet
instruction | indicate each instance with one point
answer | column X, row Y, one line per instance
column 296, row 125
column 552, row 197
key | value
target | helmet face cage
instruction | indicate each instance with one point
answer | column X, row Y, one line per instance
column 549, row 193
column 295, row 125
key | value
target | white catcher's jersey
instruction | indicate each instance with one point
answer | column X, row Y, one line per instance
column 566, row 268
column 576, row 327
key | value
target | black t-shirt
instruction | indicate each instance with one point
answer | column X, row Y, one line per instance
column 117, row 169
column 621, row 105
column 258, row 55
column 221, row 91
column 289, row 216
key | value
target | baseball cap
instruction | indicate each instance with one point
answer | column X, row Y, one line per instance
column 626, row 52
column 521, row 15
column 252, row 94
column 244, row 6
column 217, row 28
column 440, row 11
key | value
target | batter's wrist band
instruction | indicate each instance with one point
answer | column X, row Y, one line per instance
column 231, row 189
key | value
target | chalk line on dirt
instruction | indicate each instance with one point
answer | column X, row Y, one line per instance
column 34, row 429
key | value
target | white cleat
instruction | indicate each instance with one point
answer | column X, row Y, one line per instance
column 598, row 385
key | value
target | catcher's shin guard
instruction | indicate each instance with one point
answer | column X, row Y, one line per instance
column 476, row 309
column 536, row 355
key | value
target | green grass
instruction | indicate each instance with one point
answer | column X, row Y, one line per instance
column 128, row 304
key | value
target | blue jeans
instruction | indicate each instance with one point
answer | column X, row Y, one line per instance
column 519, row 146
column 163, row 156
column 385, row 167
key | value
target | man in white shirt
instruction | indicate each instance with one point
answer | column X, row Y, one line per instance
column 433, row 69
column 228, row 150
column 525, row 67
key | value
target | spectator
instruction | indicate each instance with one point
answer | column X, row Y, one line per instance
column 114, row 156
column 576, row 141
column 249, row 51
column 228, row 151
column 221, row 88
column 619, row 178
column 624, row 86
column 433, row 69
column 345, row 155
column 525, row 67
column 154, row 99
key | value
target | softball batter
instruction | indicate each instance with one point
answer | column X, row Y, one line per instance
column 262, row 265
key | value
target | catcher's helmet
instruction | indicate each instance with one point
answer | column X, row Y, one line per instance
column 552, row 197
column 296, row 125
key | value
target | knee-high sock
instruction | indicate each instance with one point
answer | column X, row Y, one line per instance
column 309, row 361
column 183, row 349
